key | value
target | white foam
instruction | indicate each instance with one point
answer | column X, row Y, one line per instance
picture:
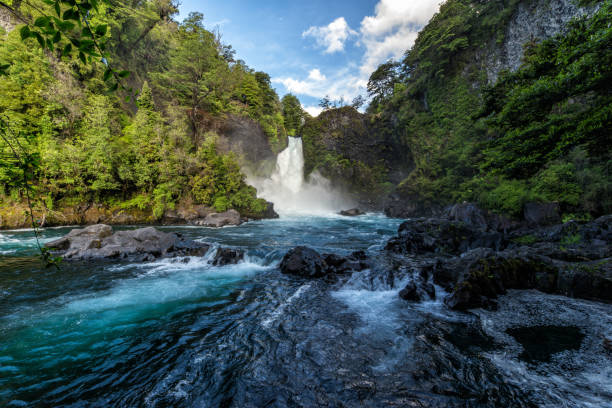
column 291, row 194
column 276, row 313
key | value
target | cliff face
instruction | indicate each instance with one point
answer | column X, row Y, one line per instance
column 533, row 20
column 353, row 152
column 430, row 140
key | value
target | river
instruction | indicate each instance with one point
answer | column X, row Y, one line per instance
column 182, row 333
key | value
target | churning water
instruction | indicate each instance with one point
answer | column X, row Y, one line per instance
column 291, row 194
column 183, row 333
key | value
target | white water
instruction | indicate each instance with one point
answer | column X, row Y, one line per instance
column 291, row 193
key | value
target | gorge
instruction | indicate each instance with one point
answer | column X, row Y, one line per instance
column 205, row 257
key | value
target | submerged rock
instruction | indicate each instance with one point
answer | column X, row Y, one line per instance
column 99, row 241
column 227, row 256
column 306, row 262
column 418, row 290
column 353, row 212
column 230, row 217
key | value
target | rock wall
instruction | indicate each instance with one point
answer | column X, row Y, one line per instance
column 533, row 20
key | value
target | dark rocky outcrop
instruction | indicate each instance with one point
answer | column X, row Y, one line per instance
column 418, row 290
column 538, row 214
column 227, row 256
column 99, row 241
column 475, row 261
column 306, row 262
column 353, row 212
column 433, row 235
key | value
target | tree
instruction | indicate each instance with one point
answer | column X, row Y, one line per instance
column 194, row 78
column 382, row 81
column 292, row 113
column 325, row 103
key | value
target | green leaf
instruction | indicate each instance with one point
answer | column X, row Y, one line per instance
column 42, row 21
column 85, row 6
column 86, row 32
column 113, row 87
column 25, row 32
column 82, row 57
column 107, row 74
column 58, row 9
column 66, row 25
column 123, row 74
column 57, row 37
column 67, row 50
column 40, row 39
column 49, row 44
column 94, row 4
column 101, row 30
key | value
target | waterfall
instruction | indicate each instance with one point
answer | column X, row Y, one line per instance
column 290, row 193
column 289, row 172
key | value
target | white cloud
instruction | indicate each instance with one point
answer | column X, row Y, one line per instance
column 342, row 84
column 316, row 75
column 332, row 36
column 387, row 34
column 314, row 111
column 393, row 29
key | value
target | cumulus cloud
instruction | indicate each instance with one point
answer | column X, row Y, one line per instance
column 393, row 29
column 314, row 111
column 341, row 84
column 388, row 33
column 332, row 36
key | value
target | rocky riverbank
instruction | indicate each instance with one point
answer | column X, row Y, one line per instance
column 16, row 216
column 475, row 256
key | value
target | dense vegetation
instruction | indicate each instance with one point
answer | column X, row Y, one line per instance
column 87, row 144
column 542, row 133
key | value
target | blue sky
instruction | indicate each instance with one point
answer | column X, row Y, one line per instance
column 317, row 47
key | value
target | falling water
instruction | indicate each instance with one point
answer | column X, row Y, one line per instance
column 291, row 193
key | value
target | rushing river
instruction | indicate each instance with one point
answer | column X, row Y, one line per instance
column 182, row 333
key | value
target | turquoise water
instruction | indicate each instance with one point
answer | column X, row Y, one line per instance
column 109, row 331
column 182, row 333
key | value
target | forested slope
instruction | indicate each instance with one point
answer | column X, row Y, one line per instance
column 171, row 143
column 483, row 110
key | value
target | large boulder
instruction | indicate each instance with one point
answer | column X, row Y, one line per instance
column 418, row 290
column 227, row 256
column 538, row 214
column 419, row 236
column 353, row 212
column 99, row 241
column 305, row 262
column 486, row 278
column 230, row 217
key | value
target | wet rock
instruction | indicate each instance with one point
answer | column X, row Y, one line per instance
column 486, row 278
column 305, row 262
column 469, row 214
column 407, row 206
column 419, row 236
column 417, row 291
column 353, row 212
column 537, row 214
column 227, row 256
column 591, row 280
column 340, row 265
column 99, row 241
column 269, row 213
column 230, row 217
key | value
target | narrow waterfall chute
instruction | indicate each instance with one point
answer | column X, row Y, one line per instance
column 291, row 193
